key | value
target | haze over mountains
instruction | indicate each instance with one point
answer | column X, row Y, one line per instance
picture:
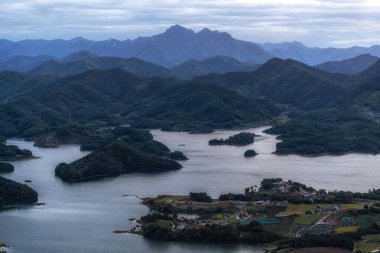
column 225, row 87
column 314, row 55
column 175, row 46
column 172, row 48
column 349, row 66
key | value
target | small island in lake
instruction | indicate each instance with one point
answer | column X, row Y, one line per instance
column 119, row 151
column 286, row 214
column 250, row 153
column 6, row 167
column 240, row 139
column 178, row 156
column 13, row 193
column 13, row 153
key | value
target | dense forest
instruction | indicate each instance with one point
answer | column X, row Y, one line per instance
column 331, row 106
column 15, row 193
column 240, row 139
column 119, row 151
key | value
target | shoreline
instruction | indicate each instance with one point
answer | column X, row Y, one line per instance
column 16, row 159
column 254, row 216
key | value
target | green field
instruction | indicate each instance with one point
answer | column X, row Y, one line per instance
column 367, row 246
column 342, row 230
column 370, row 243
column 306, row 219
column 354, row 206
column 302, row 208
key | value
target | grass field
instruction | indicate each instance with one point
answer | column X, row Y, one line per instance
column 341, row 230
column 353, row 206
column 306, row 219
column 367, row 246
column 302, row 208
column 370, row 243
column 319, row 250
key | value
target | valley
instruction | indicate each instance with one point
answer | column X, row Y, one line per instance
column 103, row 124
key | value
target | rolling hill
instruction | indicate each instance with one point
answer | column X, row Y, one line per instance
column 14, row 84
column 198, row 107
column 83, row 61
column 23, row 63
column 372, row 72
column 350, row 66
column 107, row 96
column 217, row 65
column 286, row 82
column 368, row 94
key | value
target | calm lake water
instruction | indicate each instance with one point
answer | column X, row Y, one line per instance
column 82, row 217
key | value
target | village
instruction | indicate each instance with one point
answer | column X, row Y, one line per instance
column 280, row 217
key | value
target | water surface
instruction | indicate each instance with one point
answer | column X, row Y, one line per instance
column 82, row 217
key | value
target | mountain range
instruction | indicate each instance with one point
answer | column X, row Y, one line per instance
column 175, row 46
column 286, row 82
column 82, row 61
column 315, row 55
column 31, row 103
column 214, row 82
column 178, row 44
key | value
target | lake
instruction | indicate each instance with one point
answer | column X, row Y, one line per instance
column 82, row 217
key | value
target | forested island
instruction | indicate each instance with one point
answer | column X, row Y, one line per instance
column 250, row 153
column 6, row 167
column 118, row 151
column 13, row 193
column 335, row 132
column 12, row 153
column 240, row 139
column 287, row 215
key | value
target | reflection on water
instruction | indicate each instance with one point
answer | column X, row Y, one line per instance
column 82, row 217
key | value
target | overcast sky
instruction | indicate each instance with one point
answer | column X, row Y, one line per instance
column 339, row 23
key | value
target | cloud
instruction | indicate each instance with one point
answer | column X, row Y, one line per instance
column 315, row 22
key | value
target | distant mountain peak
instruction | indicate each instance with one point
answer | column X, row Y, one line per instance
column 78, row 39
column 277, row 64
column 296, row 42
column 206, row 30
column 178, row 29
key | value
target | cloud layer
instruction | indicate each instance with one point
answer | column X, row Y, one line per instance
column 339, row 23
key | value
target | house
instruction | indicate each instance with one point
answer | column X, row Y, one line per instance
column 245, row 222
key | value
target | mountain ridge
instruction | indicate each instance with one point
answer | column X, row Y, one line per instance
column 350, row 66
column 172, row 47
